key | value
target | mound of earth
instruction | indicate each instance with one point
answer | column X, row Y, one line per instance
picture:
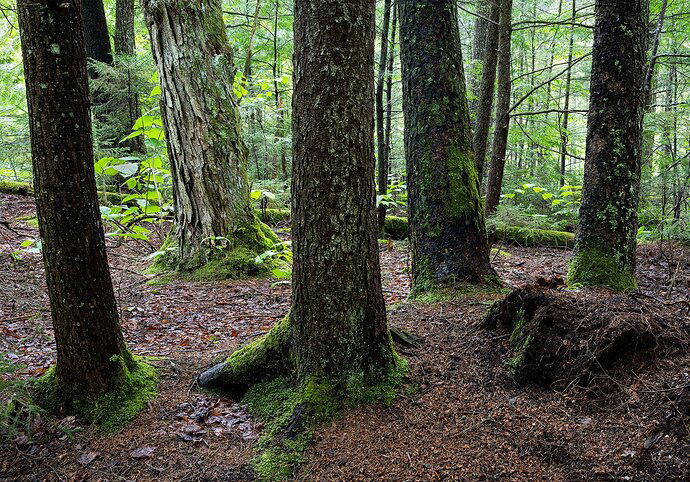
column 558, row 338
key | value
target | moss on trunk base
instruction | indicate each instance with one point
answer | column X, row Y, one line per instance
column 110, row 410
column 591, row 266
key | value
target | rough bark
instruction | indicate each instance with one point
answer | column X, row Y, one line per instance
column 124, row 46
column 485, row 101
column 604, row 251
column 381, row 151
column 480, row 46
column 335, row 336
column 447, row 232
column 338, row 312
column 208, row 158
column 498, row 153
column 82, row 303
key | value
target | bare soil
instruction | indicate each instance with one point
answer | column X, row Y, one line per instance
column 461, row 416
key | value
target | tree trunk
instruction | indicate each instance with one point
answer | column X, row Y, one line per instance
column 480, row 46
column 96, row 32
column 381, row 150
column 389, row 107
column 447, row 234
column 498, row 154
column 208, row 158
column 335, row 335
column 250, row 48
column 566, row 106
column 82, row 303
column 486, row 91
column 280, row 106
column 124, row 46
column 605, row 245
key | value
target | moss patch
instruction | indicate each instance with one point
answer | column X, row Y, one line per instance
column 111, row 410
column 273, row 216
column 15, row 187
column 592, row 266
column 292, row 413
column 395, row 227
column 522, row 236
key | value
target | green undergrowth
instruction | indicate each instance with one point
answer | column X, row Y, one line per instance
column 111, row 410
column 18, row 412
column 591, row 266
column 291, row 414
column 273, row 216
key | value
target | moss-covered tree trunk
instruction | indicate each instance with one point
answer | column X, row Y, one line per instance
column 485, row 101
column 447, row 233
column 381, row 148
column 208, row 158
column 500, row 144
column 605, row 244
column 82, row 303
column 335, row 337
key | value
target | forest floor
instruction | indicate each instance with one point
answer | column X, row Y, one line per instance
column 461, row 417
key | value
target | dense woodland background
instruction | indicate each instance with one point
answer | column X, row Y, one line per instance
column 550, row 73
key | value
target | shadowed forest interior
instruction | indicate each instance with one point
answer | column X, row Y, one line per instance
column 344, row 239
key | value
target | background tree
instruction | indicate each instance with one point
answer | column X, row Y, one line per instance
column 92, row 359
column 498, row 152
column 447, row 234
column 335, row 338
column 381, row 149
column 606, row 239
column 208, row 157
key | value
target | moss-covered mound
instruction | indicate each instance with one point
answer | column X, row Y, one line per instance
column 591, row 266
column 111, row 410
column 16, row 187
column 561, row 338
column 395, row 227
column 522, row 236
column 274, row 216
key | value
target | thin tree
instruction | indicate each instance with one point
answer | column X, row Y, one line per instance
column 92, row 359
column 335, row 337
column 485, row 100
column 208, row 157
column 381, row 150
column 605, row 245
column 498, row 152
column 447, row 233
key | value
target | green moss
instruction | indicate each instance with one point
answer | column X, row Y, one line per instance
column 111, row 410
column 292, row 413
column 523, row 236
column 592, row 266
column 273, row 216
column 395, row 227
column 29, row 220
column 465, row 201
column 238, row 263
column 15, row 187
column 519, row 342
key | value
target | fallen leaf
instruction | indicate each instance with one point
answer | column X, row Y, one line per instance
column 86, row 458
column 142, row 452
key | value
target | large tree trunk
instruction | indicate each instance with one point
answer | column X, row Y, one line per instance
column 124, row 46
column 480, row 44
column 498, row 153
column 208, row 158
column 381, row 151
column 485, row 101
column 82, row 303
column 335, row 335
column 447, row 234
column 96, row 32
column 604, row 251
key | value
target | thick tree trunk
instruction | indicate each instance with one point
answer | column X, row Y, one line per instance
column 335, row 336
column 604, row 251
column 381, row 150
column 96, row 32
column 389, row 107
column 124, row 46
column 82, row 303
column 447, row 233
column 485, row 100
column 498, row 153
column 208, row 158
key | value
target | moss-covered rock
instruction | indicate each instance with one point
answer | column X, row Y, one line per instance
column 16, row 187
column 111, row 410
column 395, row 227
column 273, row 216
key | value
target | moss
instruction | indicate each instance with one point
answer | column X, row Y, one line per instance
column 31, row 221
column 238, row 263
column 523, row 236
column 273, row 216
column 395, row 227
column 592, row 266
column 111, row 410
column 465, row 201
column 519, row 344
column 292, row 413
column 15, row 187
